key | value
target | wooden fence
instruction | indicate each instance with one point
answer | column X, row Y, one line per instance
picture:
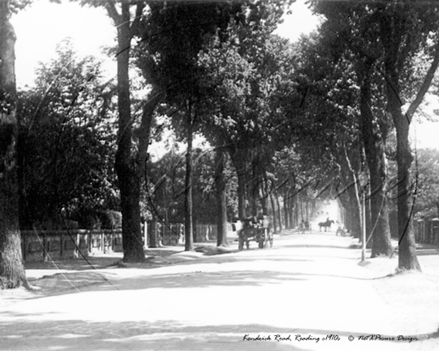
column 426, row 231
column 173, row 234
column 39, row 245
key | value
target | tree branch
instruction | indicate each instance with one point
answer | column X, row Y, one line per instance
column 112, row 12
column 425, row 86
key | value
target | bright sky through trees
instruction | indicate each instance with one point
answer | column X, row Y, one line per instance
column 43, row 25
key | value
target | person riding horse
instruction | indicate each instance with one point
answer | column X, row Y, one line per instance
column 326, row 224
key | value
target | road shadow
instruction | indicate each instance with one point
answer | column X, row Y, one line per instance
column 74, row 335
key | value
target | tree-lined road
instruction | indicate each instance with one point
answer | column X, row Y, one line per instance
column 308, row 287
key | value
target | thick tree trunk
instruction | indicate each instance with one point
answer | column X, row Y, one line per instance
column 407, row 246
column 239, row 162
column 188, row 185
column 126, row 167
column 394, row 37
column 12, row 273
column 275, row 219
column 152, row 234
column 129, row 168
column 375, row 155
column 220, row 184
column 241, row 194
column 255, row 184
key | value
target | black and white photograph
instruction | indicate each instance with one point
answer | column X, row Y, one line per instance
column 219, row 175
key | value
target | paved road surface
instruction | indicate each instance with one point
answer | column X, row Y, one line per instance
column 306, row 289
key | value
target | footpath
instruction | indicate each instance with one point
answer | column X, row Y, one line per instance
column 309, row 292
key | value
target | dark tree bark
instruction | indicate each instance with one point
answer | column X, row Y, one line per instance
column 129, row 167
column 220, row 183
column 278, row 213
column 188, row 208
column 375, row 156
column 397, row 46
column 239, row 161
column 275, row 219
column 12, row 273
column 292, row 207
column 264, row 193
column 286, row 209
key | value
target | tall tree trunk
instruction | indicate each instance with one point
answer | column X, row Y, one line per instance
column 394, row 37
column 291, row 214
column 12, row 273
column 256, row 184
column 188, row 185
column 286, row 209
column 241, row 194
column 275, row 219
column 352, row 190
column 375, row 156
column 264, row 193
column 407, row 246
column 277, row 198
column 126, row 166
column 220, row 184
column 355, row 213
column 239, row 162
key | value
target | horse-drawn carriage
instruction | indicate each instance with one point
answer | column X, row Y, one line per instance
column 258, row 229
column 342, row 231
column 304, row 226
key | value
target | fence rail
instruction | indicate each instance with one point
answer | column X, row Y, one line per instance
column 56, row 244
column 39, row 245
column 172, row 234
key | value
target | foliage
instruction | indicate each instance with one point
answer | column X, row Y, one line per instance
column 426, row 170
column 166, row 186
column 66, row 140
